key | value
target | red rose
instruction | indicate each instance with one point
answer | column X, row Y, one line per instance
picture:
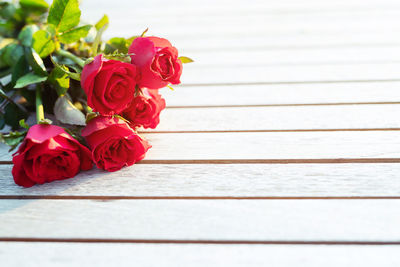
column 145, row 110
column 114, row 144
column 157, row 61
column 108, row 84
column 48, row 153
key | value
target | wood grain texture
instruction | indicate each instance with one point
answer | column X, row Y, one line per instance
column 240, row 180
column 50, row 254
column 285, row 57
column 290, row 73
column 279, row 118
column 269, row 145
column 282, row 94
column 260, row 220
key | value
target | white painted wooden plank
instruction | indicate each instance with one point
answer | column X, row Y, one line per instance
column 282, row 118
column 301, row 145
column 283, row 41
column 240, row 180
column 269, row 145
column 283, row 94
column 291, row 57
column 66, row 254
column 195, row 25
column 291, row 73
column 262, row 220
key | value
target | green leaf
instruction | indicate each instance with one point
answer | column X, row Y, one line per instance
column 64, row 14
column 74, row 34
column 23, row 124
column 60, row 79
column 13, row 139
column 43, row 43
column 26, row 34
column 19, row 70
column 97, row 39
column 30, row 78
column 34, row 4
column 103, row 21
column 35, row 61
column 76, row 76
column 13, row 114
column 116, row 43
column 186, row 60
column 11, row 54
column 66, row 112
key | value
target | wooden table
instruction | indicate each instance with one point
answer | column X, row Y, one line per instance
column 281, row 147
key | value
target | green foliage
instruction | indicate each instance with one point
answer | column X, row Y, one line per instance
column 13, row 114
column 11, row 53
column 19, row 70
column 26, row 34
column 117, row 44
column 35, row 61
column 39, row 5
column 30, row 78
column 59, row 79
column 64, row 14
column 102, row 22
column 13, row 139
column 185, row 60
column 23, row 124
column 75, row 34
column 43, row 43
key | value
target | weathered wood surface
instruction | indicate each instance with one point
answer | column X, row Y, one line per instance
column 301, row 65
column 269, row 145
column 172, row 255
column 230, row 180
column 283, row 94
column 279, row 118
column 260, row 220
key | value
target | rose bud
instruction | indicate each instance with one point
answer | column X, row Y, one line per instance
column 114, row 144
column 48, row 153
column 157, row 61
column 145, row 110
column 108, row 84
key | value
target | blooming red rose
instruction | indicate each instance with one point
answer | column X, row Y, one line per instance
column 114, row 144
column 145, row 110
column 108, row 84
column 157, row 61
column 48, row 153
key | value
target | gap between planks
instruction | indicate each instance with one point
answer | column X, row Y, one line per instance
column 266, row 161
column 289, row 82
column 107, row 198
column 276, row 131
column 288, row 105
column 261, row 161
column 196, row 241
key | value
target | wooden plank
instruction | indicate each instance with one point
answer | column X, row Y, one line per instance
column 67, row 254
column 294, row 73
column 223, row 220
column 240, row 180
column 291, row 57
column 279, row 118
column 242, row 25
column 302, row 146
column 279, row 94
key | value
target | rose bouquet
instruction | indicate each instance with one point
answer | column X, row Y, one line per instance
column 95, row 94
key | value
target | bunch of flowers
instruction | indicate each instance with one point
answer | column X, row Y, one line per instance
column 96, row 93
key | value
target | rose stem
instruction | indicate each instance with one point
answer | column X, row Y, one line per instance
column 71, row 56
column 39, row 105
